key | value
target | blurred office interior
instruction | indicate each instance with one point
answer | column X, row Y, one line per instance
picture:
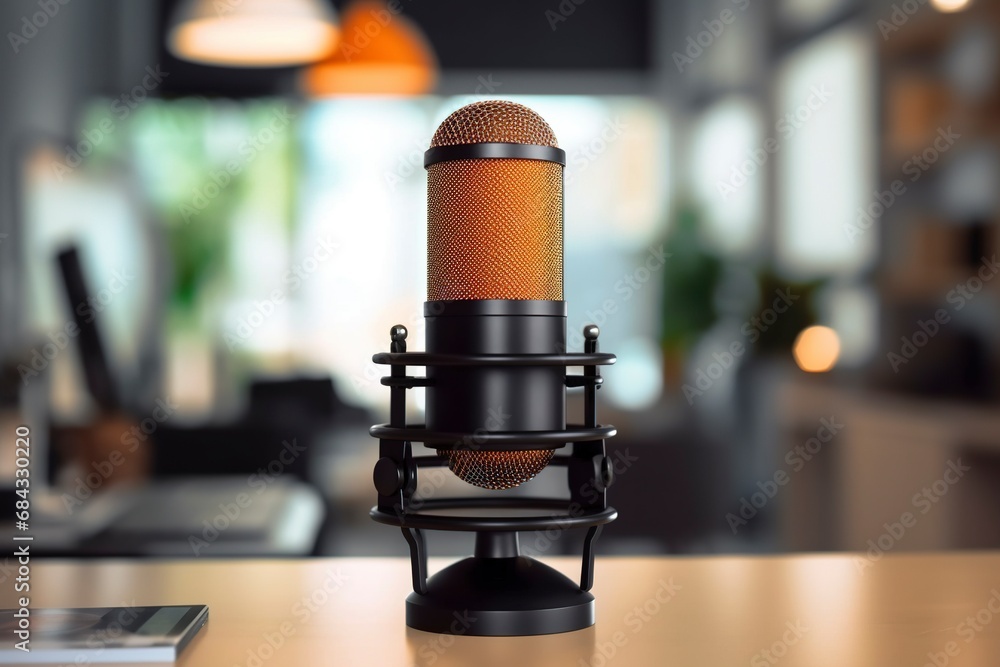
column 782, row 215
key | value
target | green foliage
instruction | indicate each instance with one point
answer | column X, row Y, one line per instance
column 690, row 279
column 207, row 165
column 779, row 337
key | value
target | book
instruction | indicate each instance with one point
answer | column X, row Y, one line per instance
column 102, row 634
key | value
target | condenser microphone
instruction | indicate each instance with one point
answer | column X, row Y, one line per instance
column 495, row 282
column 495, row 385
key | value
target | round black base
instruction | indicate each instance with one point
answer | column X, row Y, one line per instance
column 491, row 597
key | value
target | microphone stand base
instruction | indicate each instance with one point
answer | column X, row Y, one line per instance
column 499, row 597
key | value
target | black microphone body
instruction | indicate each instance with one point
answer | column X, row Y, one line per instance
column 527, row 398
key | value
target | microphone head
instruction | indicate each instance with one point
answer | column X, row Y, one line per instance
column 494, row 121
column 495, row 231
column 494, row 226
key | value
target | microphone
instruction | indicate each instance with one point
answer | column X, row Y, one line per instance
column 495, row 384
column 495, row 281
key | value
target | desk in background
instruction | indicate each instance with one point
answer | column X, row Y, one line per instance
column 813, row 611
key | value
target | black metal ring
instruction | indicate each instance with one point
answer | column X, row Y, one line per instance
column 434, row 359
column 418, row 519
column 489, row 441
column 467, row 307
column 494, row 150
column 438, row 461
column 408, row 381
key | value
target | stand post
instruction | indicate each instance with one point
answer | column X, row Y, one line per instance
column 418, row 558
column 496, row 544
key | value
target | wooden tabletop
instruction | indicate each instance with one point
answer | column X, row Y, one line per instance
column 812, row 610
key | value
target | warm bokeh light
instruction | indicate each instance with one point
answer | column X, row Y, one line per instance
column 950, row 5
column 252, row 41
column 255, row 34
column 369, row 79
column 816, row 349
column 382, row 54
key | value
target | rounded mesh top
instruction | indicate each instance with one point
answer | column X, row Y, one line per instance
column 494, row 121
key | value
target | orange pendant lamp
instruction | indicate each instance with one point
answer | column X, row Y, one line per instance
column 381, row 52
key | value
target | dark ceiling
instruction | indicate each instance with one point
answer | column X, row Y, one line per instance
column 489, row 36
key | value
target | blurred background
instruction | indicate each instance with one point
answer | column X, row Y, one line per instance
column 782, row 215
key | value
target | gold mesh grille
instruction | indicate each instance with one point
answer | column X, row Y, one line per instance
column 495, row 230
column 494, row 121
column 497, row 470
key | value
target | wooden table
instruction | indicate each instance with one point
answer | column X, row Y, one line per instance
column 704, row 612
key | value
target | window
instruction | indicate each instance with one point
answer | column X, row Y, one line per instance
column 825, row 167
